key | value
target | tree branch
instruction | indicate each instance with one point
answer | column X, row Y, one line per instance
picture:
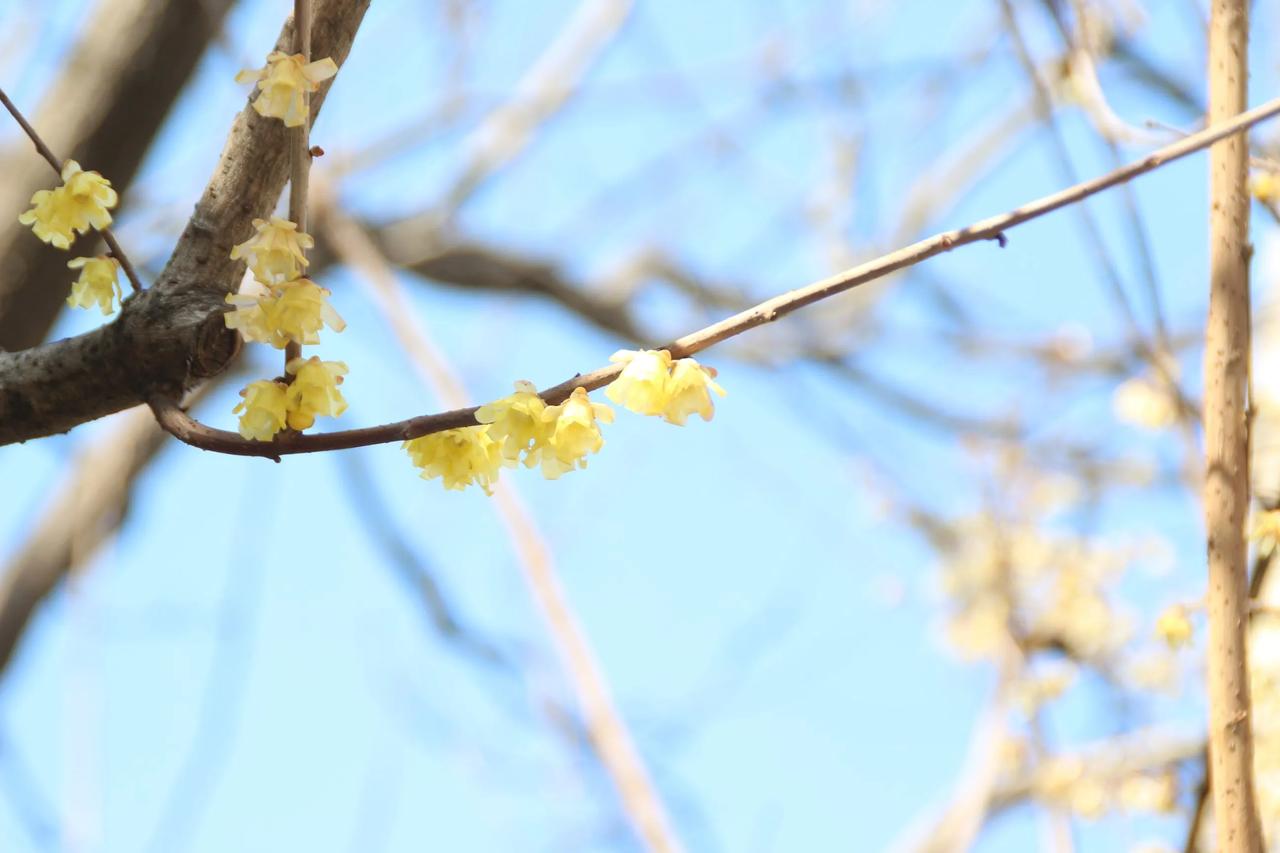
column 1226, row 482
column 131, row 62
column 173, row 419
column 171, row 336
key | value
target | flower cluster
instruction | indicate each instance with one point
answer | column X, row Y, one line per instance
column 83, row 202
column 652, row 383
column 285, row 307
column 522, row 429
column 283, row 83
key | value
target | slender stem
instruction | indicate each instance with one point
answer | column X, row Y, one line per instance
column 47, row 153
column 300, row 144
column 1226, row 483
column 184, row 428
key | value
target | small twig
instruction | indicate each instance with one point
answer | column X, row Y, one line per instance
column 300, row 147
column 47, row 153
column 196, row 434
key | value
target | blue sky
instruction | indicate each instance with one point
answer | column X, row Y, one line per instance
column 242, row 668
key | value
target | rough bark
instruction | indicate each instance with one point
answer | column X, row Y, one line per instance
column 1226, row 487
column 121, row 79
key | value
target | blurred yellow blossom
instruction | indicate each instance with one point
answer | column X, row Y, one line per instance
column 314, row 390
column 282, row 82
column 516, row 423
column 459, row 457
column 275, row 252
column 1265, row 186
column 263, row 411
column 1174, row 626
column 1144, row 402
column 97, row 283
column 1143, row 793
column 1266, row 530
column 80, row 203
column 574, row 433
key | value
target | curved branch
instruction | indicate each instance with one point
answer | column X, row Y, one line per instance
column 174, row 420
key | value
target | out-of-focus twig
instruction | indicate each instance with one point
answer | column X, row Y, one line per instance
column 541, row 94
column 608, row 733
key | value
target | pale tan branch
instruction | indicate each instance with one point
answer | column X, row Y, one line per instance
column 1226, row 481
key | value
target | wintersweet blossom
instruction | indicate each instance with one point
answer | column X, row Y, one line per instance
column 652, row 383
column 314, row 390
column 276, row 252
column 97, row 283
column 294, row 311
column 459, row 457
column 1174, row 626
column 516, row 423
column 282, row 82
column 262, row 411
column 1265, row 187
column 574, row 434
column 82, row 202
column 642, row 384
column 688, row 391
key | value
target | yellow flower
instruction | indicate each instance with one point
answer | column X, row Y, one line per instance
column 314, row 390
column 275, row 253
column 262, row 412
column 653, row 384
column 283, row 80
column 1265, row 187
column 516, row 423
column 96, row 285
column 574, row 433
column 1174, row 626
column 81, row 203
column 459, row 457
column 687, row 392
column 249, row 317
column 299, row 311
column 294, row 311
column 1266, row 530
column 642, row 384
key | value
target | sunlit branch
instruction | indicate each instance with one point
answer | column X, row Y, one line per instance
column 177, row 422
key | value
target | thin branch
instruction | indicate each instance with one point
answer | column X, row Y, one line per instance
column 299, row 147
column 177, row 422
column 116, row 251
